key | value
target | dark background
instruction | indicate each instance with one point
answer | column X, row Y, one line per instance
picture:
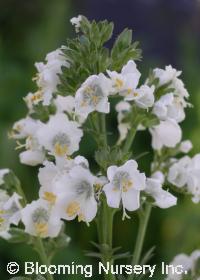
column 169, row 33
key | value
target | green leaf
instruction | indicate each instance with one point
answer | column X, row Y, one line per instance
column 19, row 236
column 53, row 245
column 124, row 50
column 111, row 156
column 148, row 256
column 11, row 182
column 150, row 120
column 42, row 113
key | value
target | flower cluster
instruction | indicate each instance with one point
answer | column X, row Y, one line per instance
column 10, row 208
column 188, row 263
column 184, row 173
column 68, row 188
column 77, row 87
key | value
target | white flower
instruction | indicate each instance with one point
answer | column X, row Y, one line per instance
column 32, row 157
column 123, row 127
column 78, row 199
column 47, row 78
column 188, row 264
column 32, row 99
column 27, row 128
column 186, row 146
column 3, row 172
column 76, row 21
column 180, row 260
column 127, row 81
column 143, row 96
column 166, row 75
column 67, row 104
column 170, row 106
column 93, row 95
column 193, row 181
column 51, row 173
column 178, row 172
column 24, row 128
column 60, row 136
column 9, row 212
column 40, row 219
column 168, row 133
column 163, row 199
column 185, row 173
column 179, row 87
column 125, row 184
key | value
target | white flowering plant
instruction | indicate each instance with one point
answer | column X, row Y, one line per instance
column 78, row 87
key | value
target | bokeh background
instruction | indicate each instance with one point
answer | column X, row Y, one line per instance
column 169, row 33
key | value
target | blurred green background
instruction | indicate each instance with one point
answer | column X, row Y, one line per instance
column 169, row 33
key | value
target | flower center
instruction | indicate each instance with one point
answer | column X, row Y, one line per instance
column 40, row 219
column 118, row 83
column 36, row 97
column 41, row 229
column 92, row 96
column 61, row 143
column 122, row 181
column 84, row 188
column 73, row 208
column 50, row 197
column 2, row 220
column 40, row 215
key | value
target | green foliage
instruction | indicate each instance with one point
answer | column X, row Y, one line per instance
column 87, row 54
column 19, row 236
column 53, row 245
column 108, row 156
column 11, row 182
column 42, row 113
column 124, row 50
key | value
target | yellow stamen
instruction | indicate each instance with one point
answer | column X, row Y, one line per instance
column 98, row 187
column 135, row 94
column 2, row 220
column 73, row 208
column 83, row 104
column 95, row 99
column 37, row 96
column 50, row 197
column 60, row 150
column 118, row 83
column 89, row 90
column 41, row 229
column 129, row 90
column 81, row 217
column 126, row 185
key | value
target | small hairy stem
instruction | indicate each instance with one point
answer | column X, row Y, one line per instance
column 105, row 232
column 129, row 139
column 103, row 129
column 43, row 256
column 143, row 223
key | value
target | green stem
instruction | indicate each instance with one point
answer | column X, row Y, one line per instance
column 105, row 232
column 143, row 223
column 129, row 139
column 103, row 129
column 43, row 256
